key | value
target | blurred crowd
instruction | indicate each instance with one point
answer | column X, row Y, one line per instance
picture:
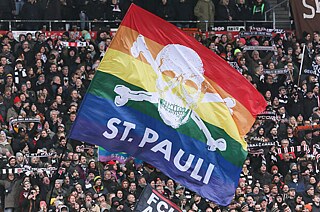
column 42, row 84
column 172, row 10
column 281, row 172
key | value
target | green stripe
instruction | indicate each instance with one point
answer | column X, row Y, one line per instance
column 103, row 85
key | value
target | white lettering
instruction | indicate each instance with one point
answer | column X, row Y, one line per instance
column 153, row 198
column 114, row 129
column 164, row 147
column 179, row 160
column 195, row 172
column 148, row 209
column 208, row 174
column 187, row 165
column 129, row 126
column 160, row 204
column 146, row 139
column 306, row 16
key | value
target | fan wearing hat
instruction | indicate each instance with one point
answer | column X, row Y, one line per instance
column 65, row 36
column 58, row 191
column 98, row 188
column 296, row 182
column 274, row 170
column 278, row 181
column 282, row 96
column 20, row 159
column 308, row 194
column 179, row 193
column 315, row 115
column 255, row 60
column 20, row 140
column 292, row 167
column 307, row 138
column 12, row 187
column 19, row 73
column 61, row 128
column 291, row 198
column 2, row 78
column 15, row 110
column 244, row 206
column 116, row 204
column 5, row 147
column 12, row 161
column 242, row 42
column 309, row 102
column 90, row 202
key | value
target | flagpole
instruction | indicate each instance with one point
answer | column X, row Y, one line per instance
column 301, row 65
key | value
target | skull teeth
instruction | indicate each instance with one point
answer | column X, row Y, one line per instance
column 172, row 108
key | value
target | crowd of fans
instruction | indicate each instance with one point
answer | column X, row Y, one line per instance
column 171, row 10
column 43, row 83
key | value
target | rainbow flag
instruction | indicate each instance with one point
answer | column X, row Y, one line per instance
column 162, row 97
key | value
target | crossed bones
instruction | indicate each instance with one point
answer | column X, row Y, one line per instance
column 125, row 94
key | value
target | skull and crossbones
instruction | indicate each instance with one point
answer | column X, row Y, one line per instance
column 180, row 87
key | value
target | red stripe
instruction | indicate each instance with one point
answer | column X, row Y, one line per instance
column 216, row 68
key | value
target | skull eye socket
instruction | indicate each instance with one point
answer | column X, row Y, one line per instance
column 169, row 73
column 191, row 84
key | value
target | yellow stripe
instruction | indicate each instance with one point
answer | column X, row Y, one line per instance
column 140, row 74
column 129, row 69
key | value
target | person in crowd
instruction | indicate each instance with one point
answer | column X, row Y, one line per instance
column 205, row 10
column 225, row 11
column 166, row 10
column 242, row 10
column 259, row 9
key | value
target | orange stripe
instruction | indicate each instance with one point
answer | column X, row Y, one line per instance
column 242, row 117
column 125, row 38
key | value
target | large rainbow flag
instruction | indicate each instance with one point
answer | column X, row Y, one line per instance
column 162, row 97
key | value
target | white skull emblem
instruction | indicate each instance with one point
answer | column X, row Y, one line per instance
column 179, row 84
column 180, row 88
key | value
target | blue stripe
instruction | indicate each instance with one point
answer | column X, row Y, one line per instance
column 91, row 123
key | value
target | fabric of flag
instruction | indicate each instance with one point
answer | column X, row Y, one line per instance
column 151, row 200
column 164, row 98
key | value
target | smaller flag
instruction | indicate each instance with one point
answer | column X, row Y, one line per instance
column 104, row 156
column 151, row 200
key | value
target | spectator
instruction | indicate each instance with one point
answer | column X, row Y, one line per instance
column 225, row 11
column 184, row 12
column 205, row 11
column 242, row 10
column 166, row 10
column 7, row 9
column 263, row 176
column 31, row 11
column 259, row 9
